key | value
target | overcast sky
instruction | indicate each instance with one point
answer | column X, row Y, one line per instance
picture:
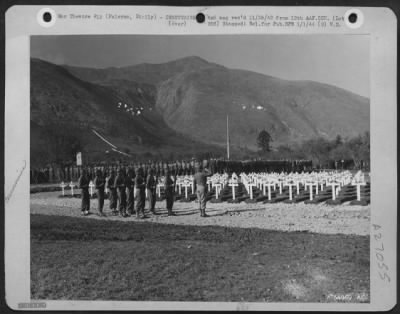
column 340, row 60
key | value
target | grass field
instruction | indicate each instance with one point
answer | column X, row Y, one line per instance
column 89, row 259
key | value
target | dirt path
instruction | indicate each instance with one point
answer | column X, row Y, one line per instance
column 343, row 219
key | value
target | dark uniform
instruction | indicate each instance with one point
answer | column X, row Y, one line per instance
column 151, row 183
column 169, row 186
column 99, row 183
column 200, row 182
column 83, row 184
column 140, row 186
column 119, row 185
column 130, row 185
column 113, row 192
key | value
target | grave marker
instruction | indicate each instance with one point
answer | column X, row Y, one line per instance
column 63, row 185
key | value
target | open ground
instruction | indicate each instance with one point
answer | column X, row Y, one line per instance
column 242, row 252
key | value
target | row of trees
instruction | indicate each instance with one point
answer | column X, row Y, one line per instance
column 320, row 150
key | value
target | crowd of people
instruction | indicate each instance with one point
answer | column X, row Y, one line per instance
column 58, row 173
column 128, row 187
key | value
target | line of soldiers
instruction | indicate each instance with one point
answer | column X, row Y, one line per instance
column 121, row 191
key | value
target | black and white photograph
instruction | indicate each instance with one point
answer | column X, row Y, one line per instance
column 214, row 168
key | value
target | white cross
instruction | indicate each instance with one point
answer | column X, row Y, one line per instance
column 91, row 185
column 233, row 184
column 358, row 184
column 250, row 188
column 71, row 185
column 310, row 184
column 269, row 184
column 280, row 186
column 334, row 184
column 63, row 185
column 290, row 185
column 186, row 185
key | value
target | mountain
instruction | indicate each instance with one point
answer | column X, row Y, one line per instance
column 194, row 97
column 183, row 106
column 67, row 111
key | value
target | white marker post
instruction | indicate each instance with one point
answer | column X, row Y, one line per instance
column 233, row 184
column 91, row 185
column 290, row 185
column 280, row 186
column 71, row 185
column 63, row 185
column 186, row 185
column 333, row 185
column 250, row 187
column 269, row 184
column 316, row 183
column 310, row 184
column 358, row 184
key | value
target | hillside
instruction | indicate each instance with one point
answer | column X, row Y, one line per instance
column 65, row 110
column 194, row 97
column 181, row 106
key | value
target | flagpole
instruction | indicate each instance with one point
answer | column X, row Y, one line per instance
column 227, row 136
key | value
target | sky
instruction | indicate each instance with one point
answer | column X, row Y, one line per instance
column 340, row 60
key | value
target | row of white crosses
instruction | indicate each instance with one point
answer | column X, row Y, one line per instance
column 249, row 182
column 63, row 186
column 291, row 180
column 217, row 181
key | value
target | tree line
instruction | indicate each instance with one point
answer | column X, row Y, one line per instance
column 323, row 152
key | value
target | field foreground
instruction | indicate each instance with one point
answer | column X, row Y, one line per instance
column 76, row 258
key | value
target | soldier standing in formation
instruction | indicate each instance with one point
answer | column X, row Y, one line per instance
column 140, row 186
column 113, row 192
column 83, row 184
column 130, row 185
column 99, row 184
column 120, row 186
column 200, row 184
column 169, row 187
column 151, row 182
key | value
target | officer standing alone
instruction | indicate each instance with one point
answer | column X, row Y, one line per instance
column 200, row 184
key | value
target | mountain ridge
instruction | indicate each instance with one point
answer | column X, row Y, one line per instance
column 187, row 101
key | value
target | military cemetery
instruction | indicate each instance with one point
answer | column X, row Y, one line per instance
column 195, row 179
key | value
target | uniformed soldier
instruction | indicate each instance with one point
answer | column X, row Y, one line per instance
column 99, row 183
column 140, row 186
column 130, row 185
column 83, row 184
column 112, row 192
column 119, row 185
column 200, row 184
column 151, row 182
column 169, row 187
